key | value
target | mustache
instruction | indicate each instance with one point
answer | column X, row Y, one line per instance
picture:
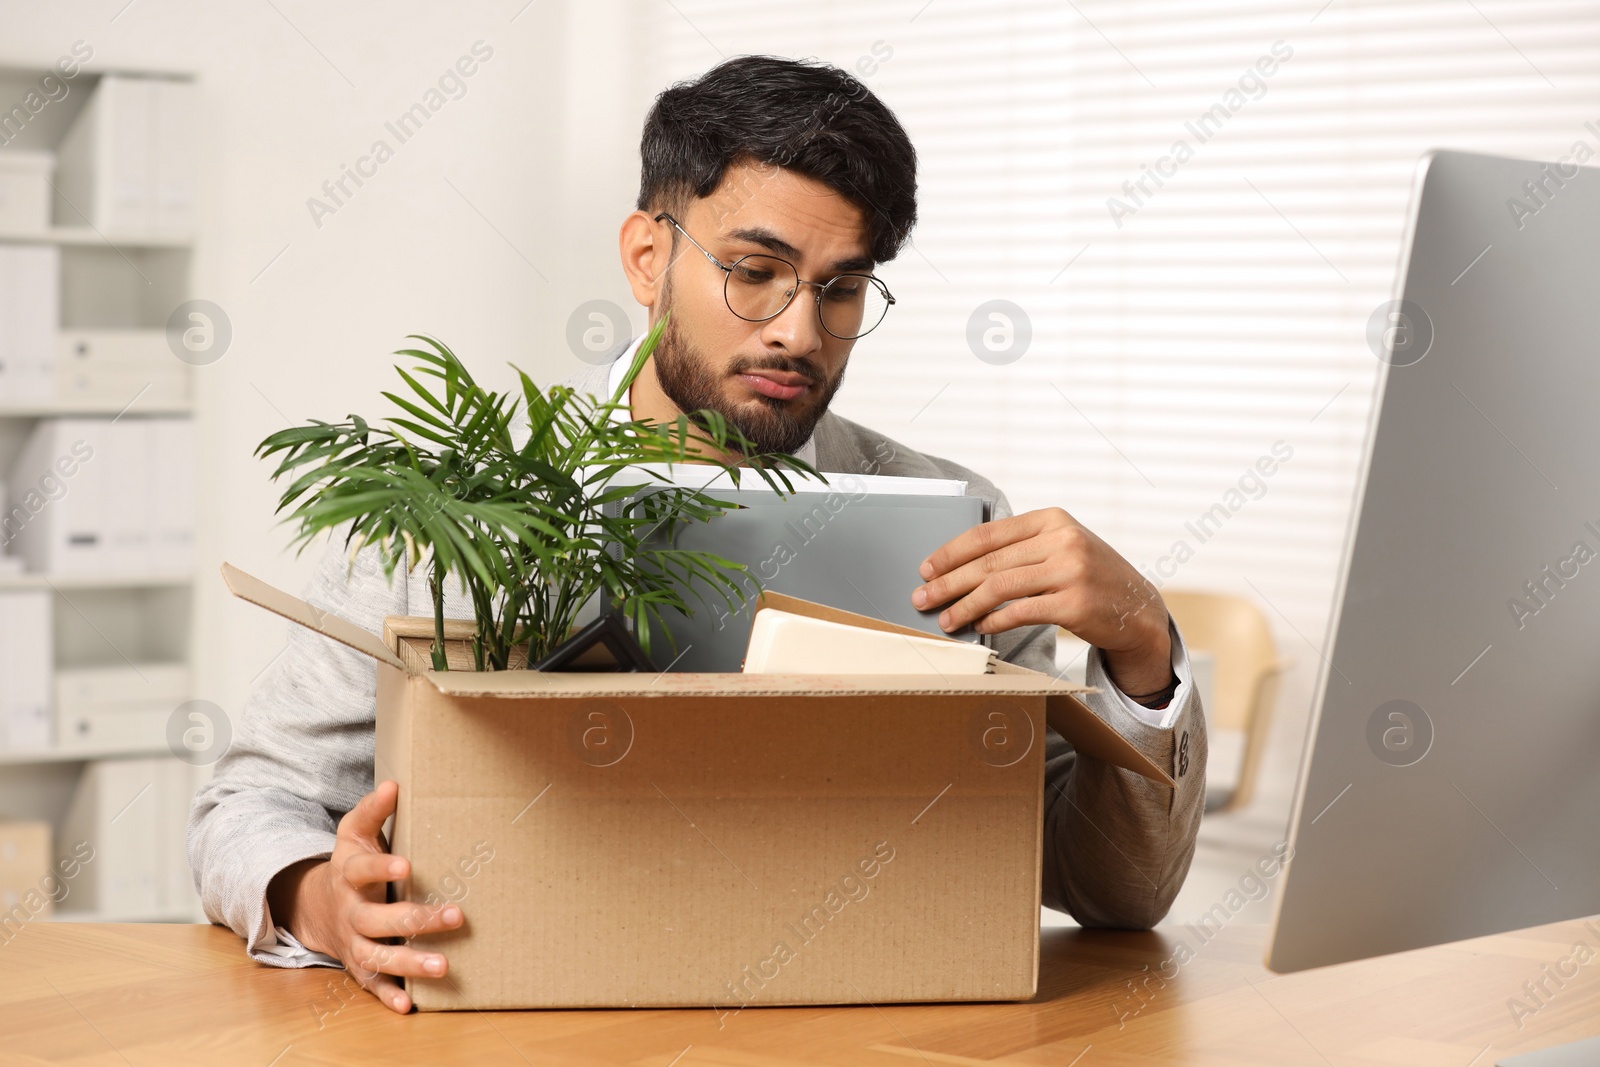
column 805, row 368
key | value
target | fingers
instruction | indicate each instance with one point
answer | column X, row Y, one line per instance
column 386, row 989
column 360, row 866
column 1016, row 584
column 1028, row 611
column 970, row 576
column 369, row 959
column 364, row 822
column 373, row 868
column 978, row 541
column 404, row 919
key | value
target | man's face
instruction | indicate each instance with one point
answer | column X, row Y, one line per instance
column 771, row 379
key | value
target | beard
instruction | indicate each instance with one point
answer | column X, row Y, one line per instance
column 769, row 424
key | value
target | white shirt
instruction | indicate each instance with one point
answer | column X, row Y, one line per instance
column 1161, row 718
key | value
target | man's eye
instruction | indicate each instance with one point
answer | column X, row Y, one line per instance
column 845, row 292
column 751, row 276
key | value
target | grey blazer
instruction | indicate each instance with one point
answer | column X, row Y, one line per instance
column 1116, row 846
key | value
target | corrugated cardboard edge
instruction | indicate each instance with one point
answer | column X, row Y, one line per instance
column 394, row 756
column 248, row 587
column 411, row 638
column 1068, row 716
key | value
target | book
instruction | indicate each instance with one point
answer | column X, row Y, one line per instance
column 782, row 642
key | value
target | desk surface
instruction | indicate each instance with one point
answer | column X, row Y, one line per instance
column 140, row 995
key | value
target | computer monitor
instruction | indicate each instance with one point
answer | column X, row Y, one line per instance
column 1451, row 780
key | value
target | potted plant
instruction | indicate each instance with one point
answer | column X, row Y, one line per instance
column 521, row 522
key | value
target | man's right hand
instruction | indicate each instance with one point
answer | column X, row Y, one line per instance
column 336, row 906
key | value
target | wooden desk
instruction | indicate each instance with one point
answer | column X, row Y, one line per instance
column 164, row 995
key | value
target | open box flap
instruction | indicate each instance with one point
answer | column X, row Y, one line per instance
column 248, row 587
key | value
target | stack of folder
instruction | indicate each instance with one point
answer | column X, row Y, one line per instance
column 853, row 542
column 104, row 496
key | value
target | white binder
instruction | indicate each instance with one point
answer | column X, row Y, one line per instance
column 133, row 813
column 27, row 660
column 170, row 466
column 30, row 307
column 128, row 162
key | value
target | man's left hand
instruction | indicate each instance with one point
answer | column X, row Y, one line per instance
column 1046, row 567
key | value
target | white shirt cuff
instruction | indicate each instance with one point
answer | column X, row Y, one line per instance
column 1163, row 718
column 292, row 953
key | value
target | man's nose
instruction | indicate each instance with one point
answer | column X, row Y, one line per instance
column 796, row 327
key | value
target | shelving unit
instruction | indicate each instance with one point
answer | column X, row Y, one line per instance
column 111, row 279
column 85, row 235
column 70, row 915
column 77, row 755
column 93, row 581
column 53, row 409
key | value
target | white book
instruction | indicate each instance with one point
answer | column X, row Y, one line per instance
column 782, row 642
column 26, row 670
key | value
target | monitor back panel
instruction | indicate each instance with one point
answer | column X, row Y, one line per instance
column 1452, row 782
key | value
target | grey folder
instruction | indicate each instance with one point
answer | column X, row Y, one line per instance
column 858, row 552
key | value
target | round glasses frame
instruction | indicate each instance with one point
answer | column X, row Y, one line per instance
column 821, row 287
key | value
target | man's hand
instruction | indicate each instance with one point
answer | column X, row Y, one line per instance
column 336, row 906
column 1045, row 567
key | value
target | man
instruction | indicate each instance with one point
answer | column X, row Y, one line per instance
column 770, row 190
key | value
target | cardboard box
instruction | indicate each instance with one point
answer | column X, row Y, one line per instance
column 717, row 840
column 96, row 365
column 113, row 728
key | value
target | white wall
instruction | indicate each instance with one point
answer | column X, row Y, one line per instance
column 291, row 91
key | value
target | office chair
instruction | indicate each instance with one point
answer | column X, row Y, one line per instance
column 1248, row 669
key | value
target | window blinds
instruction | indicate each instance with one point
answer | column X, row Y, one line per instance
column 1196, row 207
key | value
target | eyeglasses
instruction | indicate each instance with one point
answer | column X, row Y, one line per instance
column 759, row 287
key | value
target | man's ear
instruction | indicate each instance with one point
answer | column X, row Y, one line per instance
column 646, row 254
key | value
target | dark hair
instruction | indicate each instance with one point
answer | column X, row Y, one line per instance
column 803, row 115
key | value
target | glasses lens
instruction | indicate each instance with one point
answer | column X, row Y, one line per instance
column 852, row 304
column 759, row 287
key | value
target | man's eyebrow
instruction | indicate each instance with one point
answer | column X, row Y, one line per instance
column 760, row 235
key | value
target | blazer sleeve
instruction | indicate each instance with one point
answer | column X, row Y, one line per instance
column 301, row 756
column 1117, row 846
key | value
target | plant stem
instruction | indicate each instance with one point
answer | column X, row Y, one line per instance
column 441, row 662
